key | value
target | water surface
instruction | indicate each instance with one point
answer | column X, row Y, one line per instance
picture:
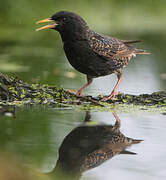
column 35, row 135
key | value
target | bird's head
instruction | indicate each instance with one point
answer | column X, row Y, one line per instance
column 65, row 22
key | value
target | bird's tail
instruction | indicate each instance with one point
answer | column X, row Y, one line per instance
column 131, row 141
column 136, row 141
column 140, row 51
column 131, row 41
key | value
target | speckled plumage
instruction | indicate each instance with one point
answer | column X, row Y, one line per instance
column 92, row 53
column 89, row 145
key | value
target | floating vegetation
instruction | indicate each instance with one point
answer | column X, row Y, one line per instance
column 15, row 92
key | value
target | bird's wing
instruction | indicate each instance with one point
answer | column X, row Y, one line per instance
column 111, row 48
column 130, row 41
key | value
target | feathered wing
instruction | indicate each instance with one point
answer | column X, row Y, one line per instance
column 115, row 50
column 130, row 41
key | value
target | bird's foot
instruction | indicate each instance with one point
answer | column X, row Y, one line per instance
column 79, row 93
column 106, row 98
column 111, row 96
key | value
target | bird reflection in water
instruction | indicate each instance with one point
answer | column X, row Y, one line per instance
column 90, row 145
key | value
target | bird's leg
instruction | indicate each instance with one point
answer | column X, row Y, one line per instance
column 79, row 92
column 117, row 124
column 87, row 117
column 113, row 93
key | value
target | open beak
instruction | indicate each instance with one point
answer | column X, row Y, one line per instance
column 50, row 26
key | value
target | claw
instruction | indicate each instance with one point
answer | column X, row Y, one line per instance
column 79, row 93
column 111, row 96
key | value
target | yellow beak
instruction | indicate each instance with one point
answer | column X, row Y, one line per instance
column 47, row 26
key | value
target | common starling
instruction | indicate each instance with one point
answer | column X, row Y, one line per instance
column 89, row 52
column 90, row 145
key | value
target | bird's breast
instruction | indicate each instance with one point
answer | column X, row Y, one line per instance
column 83, row 58
column 79, row 55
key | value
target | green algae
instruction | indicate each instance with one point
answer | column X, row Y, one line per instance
column 18, row 93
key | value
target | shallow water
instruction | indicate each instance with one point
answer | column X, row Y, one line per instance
column 35, row 135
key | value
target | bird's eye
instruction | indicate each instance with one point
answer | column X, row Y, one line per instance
column 64, row 19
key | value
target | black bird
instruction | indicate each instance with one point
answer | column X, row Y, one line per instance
column 89, row 52
column 90, row 145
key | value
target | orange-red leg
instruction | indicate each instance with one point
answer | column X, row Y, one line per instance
column 113, row 93
column 79, row 92
column 117, row 119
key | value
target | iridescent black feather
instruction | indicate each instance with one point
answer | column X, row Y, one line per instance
column 92, row 53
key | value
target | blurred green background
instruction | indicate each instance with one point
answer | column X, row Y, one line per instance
column 39, row 57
